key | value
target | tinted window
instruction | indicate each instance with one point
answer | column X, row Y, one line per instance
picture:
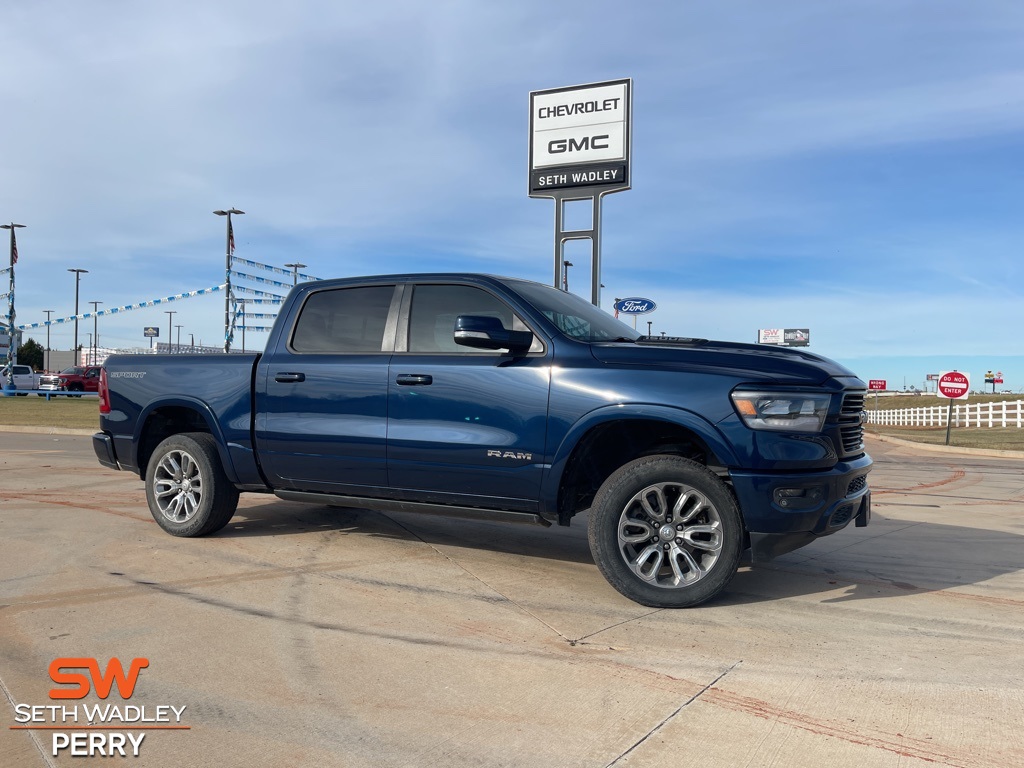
column 343, row 320
column 435, row 307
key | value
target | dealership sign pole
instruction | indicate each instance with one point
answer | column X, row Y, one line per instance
column 953, row 385
column 580, row 149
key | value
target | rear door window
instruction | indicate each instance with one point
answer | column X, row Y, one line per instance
column 344, row 320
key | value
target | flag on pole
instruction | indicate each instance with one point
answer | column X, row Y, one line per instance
column 231, row 238
column 14, row 248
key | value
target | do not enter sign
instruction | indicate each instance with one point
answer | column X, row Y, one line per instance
column 954, row 385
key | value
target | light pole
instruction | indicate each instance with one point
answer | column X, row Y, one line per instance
column 95, row 332
column 295, row 272
column 78, row 277
column 565, row 274
column 227, row 276
column 193, row 344
column 12, row 347
column 170, row 317
column 177, row 346
column 649, row 327
column 48, row 313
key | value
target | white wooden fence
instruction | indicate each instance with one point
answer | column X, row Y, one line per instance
column 1006, row 413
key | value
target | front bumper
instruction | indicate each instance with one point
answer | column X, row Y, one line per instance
column 785, row 511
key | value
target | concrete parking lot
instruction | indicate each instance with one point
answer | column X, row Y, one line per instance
column 305, row 635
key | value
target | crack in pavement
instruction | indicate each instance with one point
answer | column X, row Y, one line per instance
column 681, row 707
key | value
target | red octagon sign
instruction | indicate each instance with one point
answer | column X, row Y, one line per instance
column 954, row 385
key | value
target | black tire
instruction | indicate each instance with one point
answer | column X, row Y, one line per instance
column 188, row 493
column 75, row 388
column 666, row 532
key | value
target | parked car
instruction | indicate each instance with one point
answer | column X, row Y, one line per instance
column 24, row 377
column 75, row 379
column 500, row 399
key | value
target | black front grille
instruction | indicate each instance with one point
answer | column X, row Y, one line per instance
column 841, row 516
column 851, row 429
column 857, row 484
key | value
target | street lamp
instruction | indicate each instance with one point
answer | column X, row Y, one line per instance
column 193, row 344
column 48, row 313
column 565, row 274
column 95, row 333
column 177, row 347
column 12, row 346
column 78, row 277
column 295, row 272
column 649, row 327
column 227, row 276
column 170, row 317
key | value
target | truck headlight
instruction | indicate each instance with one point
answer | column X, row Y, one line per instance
column 782, row 411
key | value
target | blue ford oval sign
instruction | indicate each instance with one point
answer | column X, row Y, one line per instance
column 635, row 306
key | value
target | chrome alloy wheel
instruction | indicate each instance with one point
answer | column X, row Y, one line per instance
column 670, row 535
column 178, row 486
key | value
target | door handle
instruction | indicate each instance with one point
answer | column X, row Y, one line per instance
column 286, row 378
column 413, row 379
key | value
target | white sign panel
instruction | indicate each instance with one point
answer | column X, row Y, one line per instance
column 580, row 136
column 953, row 385
column 770, row 336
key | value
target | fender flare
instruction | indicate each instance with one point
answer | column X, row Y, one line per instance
column 701, row 427
column 200, row 407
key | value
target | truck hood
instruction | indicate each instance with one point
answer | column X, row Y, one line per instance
column 754, row 362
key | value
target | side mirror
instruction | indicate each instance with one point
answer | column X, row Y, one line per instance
column 482, row 332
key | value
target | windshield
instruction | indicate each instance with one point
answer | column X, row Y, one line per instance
column 73, row 371
column 572, row 315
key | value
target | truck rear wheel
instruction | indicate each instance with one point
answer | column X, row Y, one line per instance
column 666, row 532
column 188, row 493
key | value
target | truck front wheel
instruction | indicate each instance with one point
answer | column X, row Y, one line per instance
column 188, row 493
column 666, row 532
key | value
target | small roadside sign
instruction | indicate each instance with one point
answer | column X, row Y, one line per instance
column 877, row 384
column 954, row 385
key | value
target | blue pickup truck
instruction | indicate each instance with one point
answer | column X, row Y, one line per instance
column 493, row 398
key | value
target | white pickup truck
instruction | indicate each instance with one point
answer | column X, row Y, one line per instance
column 24, row 377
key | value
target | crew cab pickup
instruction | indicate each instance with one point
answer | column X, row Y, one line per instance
column 494, row 398
column 78, row 378
column 21, row 376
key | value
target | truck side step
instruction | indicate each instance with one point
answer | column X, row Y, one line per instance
column 396, row 505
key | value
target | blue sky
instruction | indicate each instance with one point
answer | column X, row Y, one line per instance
column 852, row 168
